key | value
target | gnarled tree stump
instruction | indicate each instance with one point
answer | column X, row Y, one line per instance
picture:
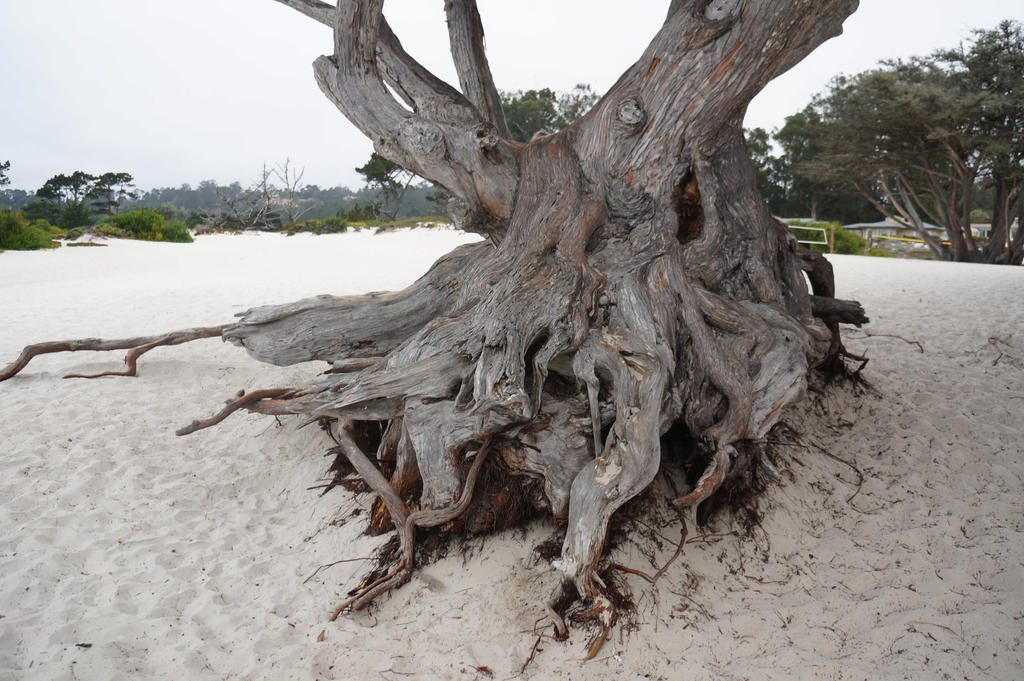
column 631, row 279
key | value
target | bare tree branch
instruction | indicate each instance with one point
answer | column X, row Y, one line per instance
column 466, row 35
column 420, row 89
column 906, row 213
column 674, row 7
column 321, row 11
column 288, row 196
column 137, row 345
column 443, row 140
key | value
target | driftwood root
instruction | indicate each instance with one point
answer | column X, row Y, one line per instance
column 136, row 347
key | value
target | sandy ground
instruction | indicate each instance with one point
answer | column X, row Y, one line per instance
column 129, row 553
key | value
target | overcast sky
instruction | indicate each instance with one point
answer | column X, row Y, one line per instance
column 181, row 91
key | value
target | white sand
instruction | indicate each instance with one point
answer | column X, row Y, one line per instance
column 185, row 558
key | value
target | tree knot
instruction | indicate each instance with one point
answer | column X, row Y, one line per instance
column 720, row 10
column 423, row 138
column 486, row 136
column 631, row 113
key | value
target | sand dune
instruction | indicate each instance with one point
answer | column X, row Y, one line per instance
column 129, row 553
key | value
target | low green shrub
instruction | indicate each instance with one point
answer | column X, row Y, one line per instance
column 848, row 242
column 177, row 231
column 331, row 225
column 167, row 211
column 144, row 224
column 112, row 231
column 18, row 234
column 55, row 231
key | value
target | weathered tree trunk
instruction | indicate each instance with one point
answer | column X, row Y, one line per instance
column 630, row 256
column 1003, row 246
column 631, row 279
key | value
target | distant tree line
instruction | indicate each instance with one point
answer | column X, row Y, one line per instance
column 80, row 199
column 937, row 139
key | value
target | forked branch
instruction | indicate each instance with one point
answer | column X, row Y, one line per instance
column 420, row 89
column 444, row 138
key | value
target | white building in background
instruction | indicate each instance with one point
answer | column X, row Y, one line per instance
column 892, row 229
column 985, row 229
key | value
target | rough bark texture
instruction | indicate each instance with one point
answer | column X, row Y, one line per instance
column 632, row 277
column 631, row 280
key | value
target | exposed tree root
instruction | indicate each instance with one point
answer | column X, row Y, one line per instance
column 332, row 564
column 244, row 401
column 403, row 520
column 710, row 481
column 995, row 341
column 860, row 475
column 632, row 283
column 833, row 310
column 573, row 413
column 869, row 334
column 533, row 653
column 598, row 643
column 585, row 437
column 137, row 347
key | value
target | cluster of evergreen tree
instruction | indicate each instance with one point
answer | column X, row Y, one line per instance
column 70, row 201
column 936, row 139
